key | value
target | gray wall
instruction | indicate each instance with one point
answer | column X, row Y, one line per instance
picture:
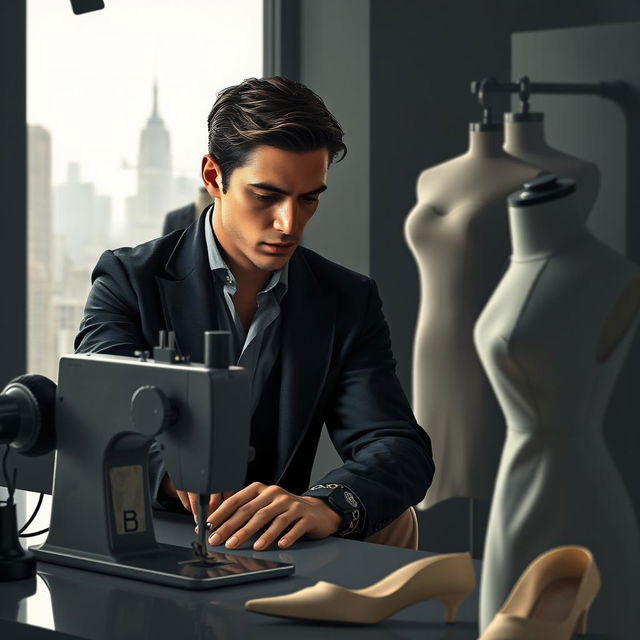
column 334, row 62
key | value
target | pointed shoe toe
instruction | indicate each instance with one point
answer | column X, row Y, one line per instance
column 448, row 578
column 318, row 602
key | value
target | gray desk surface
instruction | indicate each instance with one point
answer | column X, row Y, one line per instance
column 88, row 605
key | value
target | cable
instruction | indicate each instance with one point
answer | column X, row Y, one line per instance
column 4, row 465
column 11, row 485
column 33, row 515
column 35, row 533
column 31, row 519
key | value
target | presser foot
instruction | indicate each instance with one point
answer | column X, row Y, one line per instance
column 202, row 557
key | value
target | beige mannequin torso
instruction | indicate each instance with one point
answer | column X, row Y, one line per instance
column 458, row 233
column 525, row 140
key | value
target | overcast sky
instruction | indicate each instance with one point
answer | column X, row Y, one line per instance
column 90, row 78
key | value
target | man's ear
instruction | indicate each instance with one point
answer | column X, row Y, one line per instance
column 212, row 176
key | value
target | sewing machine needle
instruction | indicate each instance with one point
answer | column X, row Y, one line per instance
column 203, row 513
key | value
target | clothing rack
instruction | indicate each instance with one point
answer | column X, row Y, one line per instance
column 612, row 90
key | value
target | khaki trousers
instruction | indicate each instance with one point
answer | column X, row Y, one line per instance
column 402, row 532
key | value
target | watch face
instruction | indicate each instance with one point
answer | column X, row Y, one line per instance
column 348, row 496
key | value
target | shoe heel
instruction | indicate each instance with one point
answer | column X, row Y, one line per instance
column 581, row 624
column 451, row 604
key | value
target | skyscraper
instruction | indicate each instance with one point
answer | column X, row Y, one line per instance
column 73, row 209
column 146, row 209
column 81, row 217
column 41, row 354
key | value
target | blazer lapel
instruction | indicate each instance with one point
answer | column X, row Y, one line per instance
column 307, row 331
column 187, row 293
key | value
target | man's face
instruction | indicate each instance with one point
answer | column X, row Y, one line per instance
column 259, row 221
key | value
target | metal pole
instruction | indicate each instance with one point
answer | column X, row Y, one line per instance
column 603, row 89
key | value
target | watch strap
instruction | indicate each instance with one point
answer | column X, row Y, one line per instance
column 345, row 502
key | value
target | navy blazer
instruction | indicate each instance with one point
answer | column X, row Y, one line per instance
column 337, row 365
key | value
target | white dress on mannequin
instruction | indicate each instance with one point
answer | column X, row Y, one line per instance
column 552, row 339
column 458, row 233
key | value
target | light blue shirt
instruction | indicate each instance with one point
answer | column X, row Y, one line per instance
column 258, row 349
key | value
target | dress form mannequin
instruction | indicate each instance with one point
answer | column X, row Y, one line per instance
column 458, row 234
column 524, row 138
column 552, row 339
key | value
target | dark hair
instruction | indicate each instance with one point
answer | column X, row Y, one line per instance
column 277, row 112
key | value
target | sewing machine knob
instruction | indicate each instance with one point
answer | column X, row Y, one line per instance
column 217, row 349
column 151, row 411
column 27, row 414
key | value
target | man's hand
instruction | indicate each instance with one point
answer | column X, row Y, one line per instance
column 190, row 500
column 261, row 506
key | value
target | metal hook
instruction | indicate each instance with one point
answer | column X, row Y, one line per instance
column 485, row 83
column 524, row 91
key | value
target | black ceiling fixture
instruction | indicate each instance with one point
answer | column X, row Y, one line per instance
column 84, row 6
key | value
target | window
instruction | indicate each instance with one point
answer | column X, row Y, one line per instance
column 117, row 102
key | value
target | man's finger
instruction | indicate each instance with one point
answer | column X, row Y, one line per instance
column 214, row 502
column 278, row 525
column 264, row 504
column 233, row 503
column 277, row 514
column 297, row 531
column 215, row 499
column 193, row 502
column 184, row 499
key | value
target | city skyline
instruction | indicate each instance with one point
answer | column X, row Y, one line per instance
column 117, row 102
column 89, row 79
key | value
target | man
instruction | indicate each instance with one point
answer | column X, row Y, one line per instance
column 310, row 333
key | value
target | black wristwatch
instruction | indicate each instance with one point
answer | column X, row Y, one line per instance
column 344, row 502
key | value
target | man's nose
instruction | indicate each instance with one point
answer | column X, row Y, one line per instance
column 286, row 217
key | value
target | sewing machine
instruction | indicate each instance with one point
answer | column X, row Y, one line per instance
column 108, row 409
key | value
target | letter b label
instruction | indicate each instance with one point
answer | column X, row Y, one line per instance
column 130, row 521
column 128, row 499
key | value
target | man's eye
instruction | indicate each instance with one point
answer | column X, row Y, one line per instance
column 263, row 198
column 309, row 199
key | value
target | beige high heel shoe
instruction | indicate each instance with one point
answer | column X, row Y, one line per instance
column 449, row 578
column 551, row 598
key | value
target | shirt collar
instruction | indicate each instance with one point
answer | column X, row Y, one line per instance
column 219, row 267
